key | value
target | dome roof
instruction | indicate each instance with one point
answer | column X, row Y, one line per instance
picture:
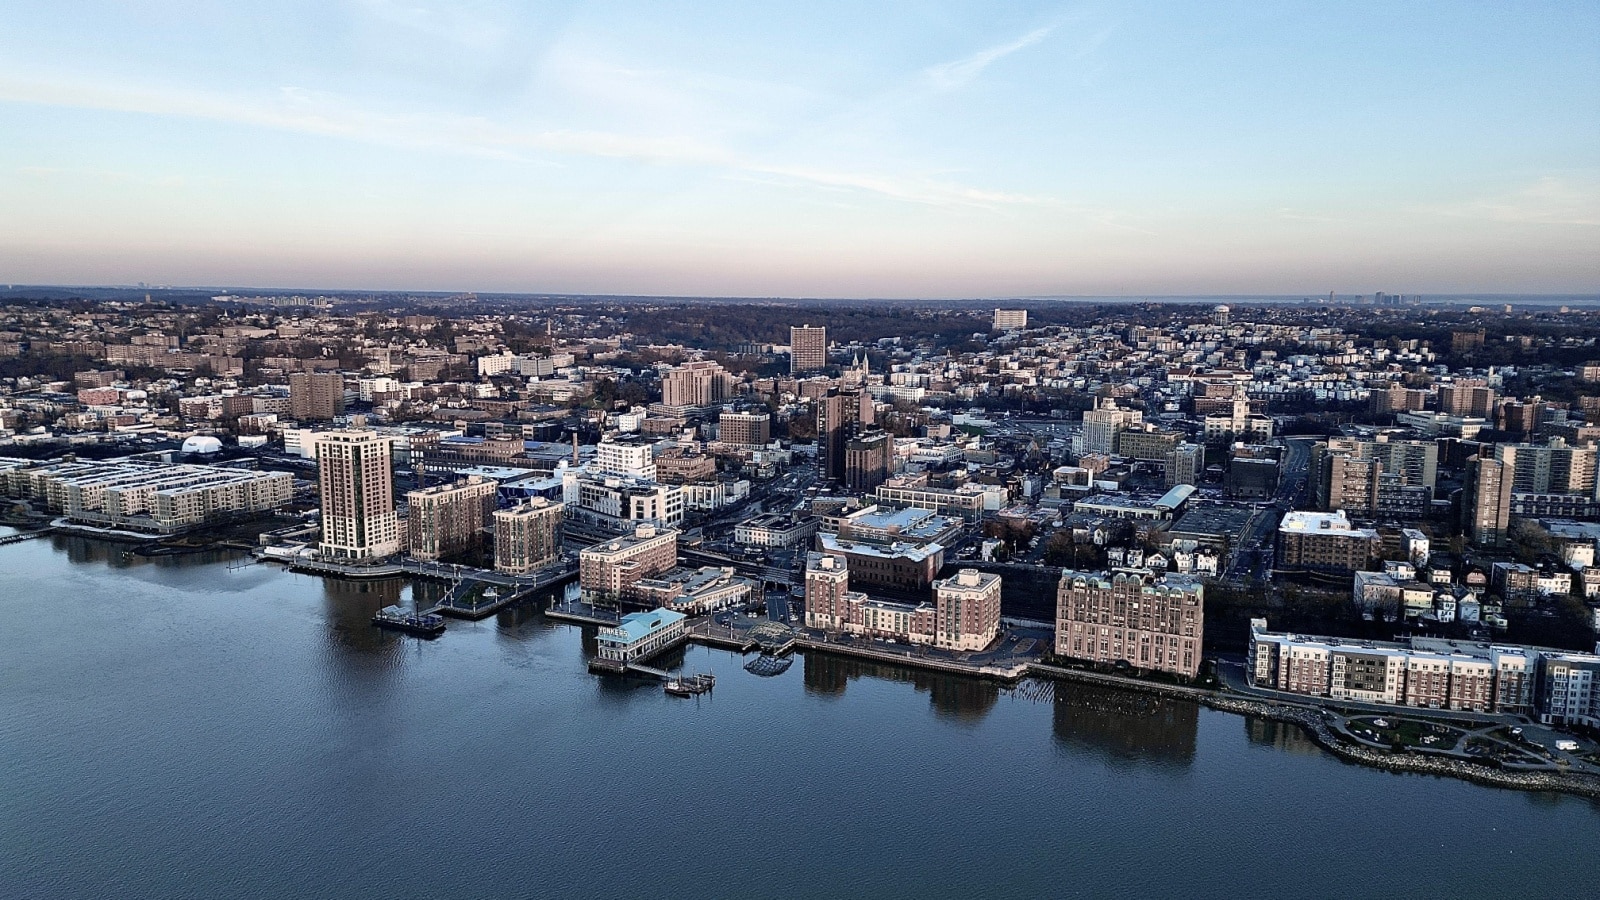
column 202, row 444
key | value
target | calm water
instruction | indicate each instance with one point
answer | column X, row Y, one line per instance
column 174, row 728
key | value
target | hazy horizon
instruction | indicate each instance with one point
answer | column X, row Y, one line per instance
column 828, row 152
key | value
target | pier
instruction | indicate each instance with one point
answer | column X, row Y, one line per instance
column 21, row 536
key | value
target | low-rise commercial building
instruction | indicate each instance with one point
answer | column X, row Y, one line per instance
column 638, row 636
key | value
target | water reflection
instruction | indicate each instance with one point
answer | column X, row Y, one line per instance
column 1279, row 735
column 956, row 697
column 1125, row 726
column 349, row 606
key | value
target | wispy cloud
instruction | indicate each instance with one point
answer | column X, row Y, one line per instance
column 1547, row 201
column 326, row 115
column 951, row 75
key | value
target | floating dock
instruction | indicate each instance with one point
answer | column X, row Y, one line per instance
column 690, row 685
column 419, row 624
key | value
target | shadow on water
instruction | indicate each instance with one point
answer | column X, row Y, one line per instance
column 953, row 697
column 1125, row 727
column 525, row 620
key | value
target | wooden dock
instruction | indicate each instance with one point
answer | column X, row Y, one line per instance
column 21, row 536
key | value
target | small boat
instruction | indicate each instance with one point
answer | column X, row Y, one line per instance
column 689, row 685
column 397, row 619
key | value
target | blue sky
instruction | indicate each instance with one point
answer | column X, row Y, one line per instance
column 818, row 149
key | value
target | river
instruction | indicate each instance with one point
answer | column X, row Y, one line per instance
column 178, row 727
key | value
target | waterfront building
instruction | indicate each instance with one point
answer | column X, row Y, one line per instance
column 148, row 496
column 355, row 476
column 1429, row 673
column 447, row 520
column 695, row 591
column 827, row 582
column 607, row 571
column 1569, row 689
column 965, row 613
column 637, row 636
column 967, row 610
column 527, row 537
column 316, row 396
column 1133, row 617
column 808, row 348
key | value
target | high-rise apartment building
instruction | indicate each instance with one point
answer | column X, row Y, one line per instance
column 1553, row 468
column 1467, row 398
column 745, row 429
column 1488, row 501
column 827, row 590
column 966, row 610
column 1102, row 424
column 316, row 396
column 1186, row 463
column 1010, row 319
column 1131, row 616
column 628, row 457
column 608, row 571
column 527, row 537
column 355, row 476
column 867, row 460
column 1326, row 542
column 1343, row 480
column 841, row 415
column 702, row 383
column 808, row 348
column 448, row 520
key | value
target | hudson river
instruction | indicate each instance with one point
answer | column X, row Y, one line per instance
column 176, row 728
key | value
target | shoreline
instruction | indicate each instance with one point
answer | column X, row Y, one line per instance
column 1309, row 718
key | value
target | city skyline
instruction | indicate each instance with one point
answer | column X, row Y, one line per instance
column 1042, row 150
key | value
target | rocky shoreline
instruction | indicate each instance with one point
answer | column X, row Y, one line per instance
column 1310, row 721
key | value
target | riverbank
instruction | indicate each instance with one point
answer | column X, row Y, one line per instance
column 1313, row 723
column 1313, row 720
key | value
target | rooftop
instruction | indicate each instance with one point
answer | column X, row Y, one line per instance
column 640, row 625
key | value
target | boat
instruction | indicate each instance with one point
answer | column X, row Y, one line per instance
column 689, row 685
column 397, row 619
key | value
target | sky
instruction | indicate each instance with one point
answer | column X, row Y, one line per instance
column 818, row 149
